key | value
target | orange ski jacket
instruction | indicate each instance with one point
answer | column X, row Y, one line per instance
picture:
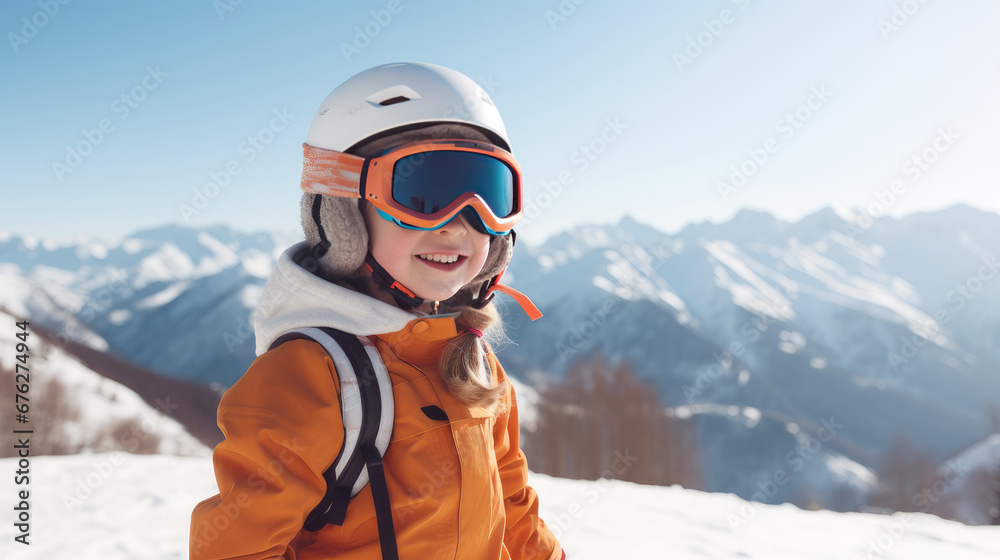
column 457, row 485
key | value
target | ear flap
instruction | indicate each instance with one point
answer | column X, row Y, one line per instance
column 344, row 229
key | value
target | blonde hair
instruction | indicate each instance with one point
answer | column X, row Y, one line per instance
column 465, row 366
column 464, row 362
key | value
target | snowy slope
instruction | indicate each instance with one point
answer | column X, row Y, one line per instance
column 137, row 507
column 75, row 410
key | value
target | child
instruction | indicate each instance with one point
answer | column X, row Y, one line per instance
column 410, row 268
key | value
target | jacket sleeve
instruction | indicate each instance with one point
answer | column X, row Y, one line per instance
column 283, row 427
column 527, row 536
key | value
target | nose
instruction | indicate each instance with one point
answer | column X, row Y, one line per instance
column 457, row 225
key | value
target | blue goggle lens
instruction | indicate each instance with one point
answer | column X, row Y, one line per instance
column 428, row 182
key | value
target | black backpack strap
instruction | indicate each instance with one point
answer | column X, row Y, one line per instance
column 380, row 495
column 294, row 335
column 371, row 402
column 332, row 509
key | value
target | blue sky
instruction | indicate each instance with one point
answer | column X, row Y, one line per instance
column 838, row 103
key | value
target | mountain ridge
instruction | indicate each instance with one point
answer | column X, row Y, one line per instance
column 810, row 313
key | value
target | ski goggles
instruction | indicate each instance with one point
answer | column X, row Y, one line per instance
column 423, row 185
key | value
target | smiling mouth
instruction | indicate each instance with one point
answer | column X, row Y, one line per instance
column 442, row 262
column 440, row 258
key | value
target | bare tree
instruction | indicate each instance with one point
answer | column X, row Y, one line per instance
column 993, row 471
column 993, row 417
column 601, row 421
column 50, row 411
column 993, row 508
column 905, row 474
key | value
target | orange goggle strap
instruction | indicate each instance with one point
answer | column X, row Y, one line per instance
column 331, row 173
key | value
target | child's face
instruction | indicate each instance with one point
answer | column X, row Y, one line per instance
column 397, row 249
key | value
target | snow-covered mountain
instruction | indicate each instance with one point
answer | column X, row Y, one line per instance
column 875, row 330
column 72, row 409
column 140, row 509
column 796, row 347
column 172, row 299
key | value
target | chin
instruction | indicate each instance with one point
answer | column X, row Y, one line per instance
column 440, row 295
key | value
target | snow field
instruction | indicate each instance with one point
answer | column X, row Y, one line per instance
column 137, row 507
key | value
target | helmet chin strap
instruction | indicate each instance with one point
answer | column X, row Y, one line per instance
column 406, row 298
column 323, row 246
column 403, row 296
column 409, row 300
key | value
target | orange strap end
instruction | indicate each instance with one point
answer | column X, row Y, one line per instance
column 521, row 299
column 402, row 288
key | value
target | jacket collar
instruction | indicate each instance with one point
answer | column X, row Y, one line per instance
column 422, row 339
column 296, row 298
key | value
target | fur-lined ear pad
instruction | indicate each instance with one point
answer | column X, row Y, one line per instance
column 344, row 228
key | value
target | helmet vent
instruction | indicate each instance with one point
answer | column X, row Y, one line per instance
column 394, row 100
column 392, row 95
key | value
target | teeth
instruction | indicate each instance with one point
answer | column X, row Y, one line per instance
column 446, row 259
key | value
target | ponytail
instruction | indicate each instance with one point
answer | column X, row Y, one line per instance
column 464, row 365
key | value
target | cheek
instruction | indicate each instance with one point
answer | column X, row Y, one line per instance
column 387, row 254
column 391, row 248
column 482, row 252
column 389, row 245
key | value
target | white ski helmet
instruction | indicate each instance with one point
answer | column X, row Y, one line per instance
column 384, row 99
